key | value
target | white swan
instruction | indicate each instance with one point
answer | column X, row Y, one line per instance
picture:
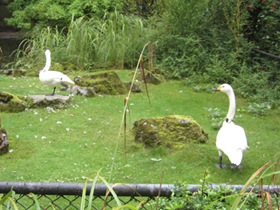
column 53, row 78
column 231, row 138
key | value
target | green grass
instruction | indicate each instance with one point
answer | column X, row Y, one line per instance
column 89, row 145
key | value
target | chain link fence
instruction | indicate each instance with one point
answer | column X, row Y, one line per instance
column 69, row 195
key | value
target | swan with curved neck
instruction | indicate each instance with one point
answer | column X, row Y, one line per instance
column 53, row 78
column 231, row 138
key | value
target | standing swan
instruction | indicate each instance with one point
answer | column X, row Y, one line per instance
column 231, row 138
column 53, row 78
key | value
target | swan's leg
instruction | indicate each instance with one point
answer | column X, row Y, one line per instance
column 52, row 93
column 220, row 165
column 64, row 85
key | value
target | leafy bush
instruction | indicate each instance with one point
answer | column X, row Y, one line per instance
column 28, row 14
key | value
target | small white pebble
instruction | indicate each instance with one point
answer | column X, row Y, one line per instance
column 85, row 132
column 41, row 119
column 50, row 142
column 58, row 122
column 89, row 119
column 35, row 112
column 35, row 137
column 17, row 136
column 43, row 137
column 11, row 150
column 67, row 129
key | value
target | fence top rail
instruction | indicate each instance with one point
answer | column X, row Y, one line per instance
column 145, row 190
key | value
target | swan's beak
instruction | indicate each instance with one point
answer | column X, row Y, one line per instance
column 217, row 89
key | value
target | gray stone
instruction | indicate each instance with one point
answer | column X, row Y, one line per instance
column 135, row 87
column 13, row 72
column 56, row 101
column 83, row 91
column 172, row 131
column 6, row 71
column 4, row 143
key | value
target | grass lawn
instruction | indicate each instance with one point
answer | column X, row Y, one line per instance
column 84, row 142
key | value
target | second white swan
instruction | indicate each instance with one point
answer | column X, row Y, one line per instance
column 53, row 78
column 231, row 138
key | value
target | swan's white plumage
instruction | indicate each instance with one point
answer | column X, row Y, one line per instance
column 53, row 78
column 231, row 138
column 232, row 141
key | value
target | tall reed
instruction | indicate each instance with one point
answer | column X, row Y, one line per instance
column 112, row 42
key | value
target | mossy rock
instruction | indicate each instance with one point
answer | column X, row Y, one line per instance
column 19, row 72
column 4, row 143
column 103, row 83
column 150, row 77
column 13, row 102
column 171, row 131
column 135, row 87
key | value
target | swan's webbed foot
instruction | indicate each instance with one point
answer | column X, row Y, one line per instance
column 218, row 165
column 233, row 166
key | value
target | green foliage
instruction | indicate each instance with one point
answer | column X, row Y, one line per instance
column 215, row 117
column 222, row 197
column 182, row 17
column 114, row 41
column 263, row 28
column 28, row 14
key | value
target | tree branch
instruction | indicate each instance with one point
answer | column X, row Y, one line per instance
column 266, row 53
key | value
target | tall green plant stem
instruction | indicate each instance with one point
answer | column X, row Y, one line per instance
column 235, row 19
column 125, row 107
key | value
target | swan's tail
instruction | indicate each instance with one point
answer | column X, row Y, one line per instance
column 67, row 80
column 235, row 156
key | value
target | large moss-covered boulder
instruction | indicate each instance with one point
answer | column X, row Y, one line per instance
column 12, row 102
column 4, row 143
column 171, row 131
column 103, row 83
column 150, row 77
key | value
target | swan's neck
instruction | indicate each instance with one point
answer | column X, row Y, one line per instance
column 48, row 63
column 231, row 110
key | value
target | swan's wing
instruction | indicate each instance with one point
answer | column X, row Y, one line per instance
column 54, row 78
column 232, row 141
